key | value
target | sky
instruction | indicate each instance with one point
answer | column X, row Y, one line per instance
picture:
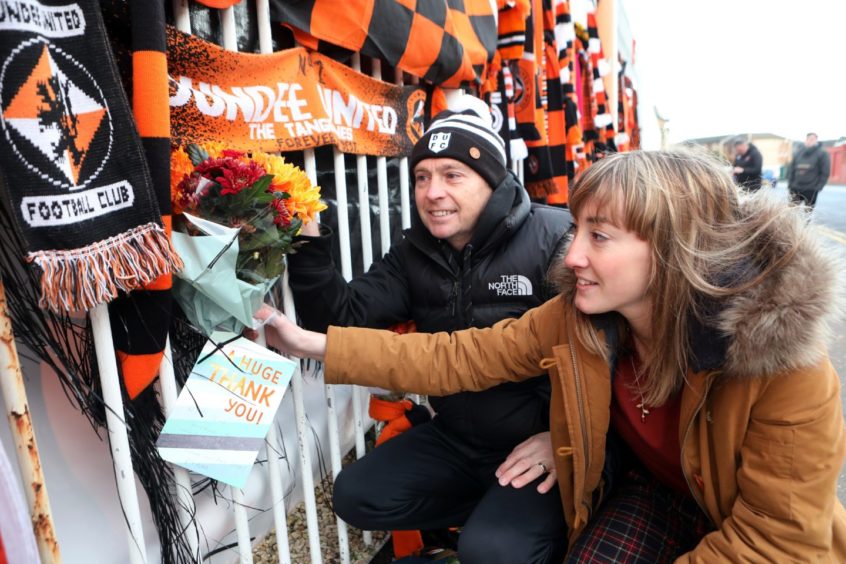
column 724, row 67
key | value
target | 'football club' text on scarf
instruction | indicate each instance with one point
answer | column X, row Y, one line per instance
column 284, row 101
column 75, row 179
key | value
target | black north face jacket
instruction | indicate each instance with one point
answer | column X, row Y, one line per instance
column 501, row 273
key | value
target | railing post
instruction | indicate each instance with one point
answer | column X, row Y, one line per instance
column 118, row 438
column 26, row 449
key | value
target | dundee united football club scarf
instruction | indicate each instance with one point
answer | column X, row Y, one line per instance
column 75, row 200
column 76, row 183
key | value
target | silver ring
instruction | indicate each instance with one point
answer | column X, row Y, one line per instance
column 543, row 467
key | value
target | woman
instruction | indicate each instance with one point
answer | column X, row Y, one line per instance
column 690, row 329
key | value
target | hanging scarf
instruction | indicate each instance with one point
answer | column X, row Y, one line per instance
column 565, row 35
column 287, row 100
column 603, row 118
column 59, row 70
column 530, row 99
column 140, row 320
column 76, row 183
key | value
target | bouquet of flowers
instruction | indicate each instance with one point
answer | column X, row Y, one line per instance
column 235, row 217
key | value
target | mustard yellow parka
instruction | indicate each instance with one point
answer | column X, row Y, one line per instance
column 761, row 427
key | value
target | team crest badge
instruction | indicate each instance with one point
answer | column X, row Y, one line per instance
column 439, row 141
column 57, row 119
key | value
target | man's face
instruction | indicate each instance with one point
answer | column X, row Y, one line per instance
column 810, row 140
column 741, row 148
column 450, row 197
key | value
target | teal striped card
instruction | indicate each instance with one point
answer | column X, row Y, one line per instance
column 225, row 409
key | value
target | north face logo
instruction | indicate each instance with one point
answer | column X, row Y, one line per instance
column 439, row 141
column 512, row 285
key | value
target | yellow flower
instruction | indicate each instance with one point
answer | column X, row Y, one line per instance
column 304, row 202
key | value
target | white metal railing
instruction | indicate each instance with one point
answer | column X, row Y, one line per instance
column 242, row 526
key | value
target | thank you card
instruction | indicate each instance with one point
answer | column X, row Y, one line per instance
column 225, row 409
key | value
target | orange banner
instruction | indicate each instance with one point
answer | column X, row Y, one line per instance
column 288, row 100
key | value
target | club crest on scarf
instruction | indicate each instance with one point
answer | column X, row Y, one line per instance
column 58, row 125
column 75, row 180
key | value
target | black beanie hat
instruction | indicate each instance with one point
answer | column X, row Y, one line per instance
column 466, row 135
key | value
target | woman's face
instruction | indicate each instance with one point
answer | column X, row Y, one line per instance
column 612, row 266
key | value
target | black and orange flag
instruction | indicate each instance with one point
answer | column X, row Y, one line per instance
column 446, row 43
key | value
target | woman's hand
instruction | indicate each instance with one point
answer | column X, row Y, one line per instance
column 286, row 336
column 528, row 461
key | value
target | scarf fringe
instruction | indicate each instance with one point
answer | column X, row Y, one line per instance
column 79, row 279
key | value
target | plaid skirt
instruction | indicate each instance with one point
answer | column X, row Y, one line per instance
column 641, row 520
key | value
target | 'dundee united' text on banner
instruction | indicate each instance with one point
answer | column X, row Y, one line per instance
column 287, row 100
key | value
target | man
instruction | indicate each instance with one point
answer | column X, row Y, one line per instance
column 748, row 163
column 478, row 252
column 808, row 172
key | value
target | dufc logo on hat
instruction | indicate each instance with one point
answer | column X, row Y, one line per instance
column 439, row 141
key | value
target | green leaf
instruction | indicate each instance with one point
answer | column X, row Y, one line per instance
column 196, row 153
column 257, row 193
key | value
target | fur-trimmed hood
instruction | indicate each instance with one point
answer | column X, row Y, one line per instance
column 781, row 324
column 785, row 322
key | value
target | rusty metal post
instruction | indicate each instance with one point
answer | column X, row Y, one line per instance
column 20, row 422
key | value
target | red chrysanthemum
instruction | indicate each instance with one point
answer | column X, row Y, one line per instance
column 232, row 174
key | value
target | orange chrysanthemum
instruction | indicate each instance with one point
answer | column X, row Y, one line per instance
column 180, row 167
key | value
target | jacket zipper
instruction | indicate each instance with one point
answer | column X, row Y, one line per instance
column 582, row 424
column 694, row 491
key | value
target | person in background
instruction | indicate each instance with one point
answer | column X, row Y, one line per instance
column 692, row 322
column 808, row 172
column 478, row 252
column 748, row 164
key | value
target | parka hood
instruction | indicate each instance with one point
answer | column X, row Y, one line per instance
column 780, row 324
column 784, row 322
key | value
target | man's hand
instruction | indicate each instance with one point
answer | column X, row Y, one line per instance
column 529, row 460
column 737, row 169
column 311, row 229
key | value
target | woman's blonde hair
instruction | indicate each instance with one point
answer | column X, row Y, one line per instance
column 685, row 205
